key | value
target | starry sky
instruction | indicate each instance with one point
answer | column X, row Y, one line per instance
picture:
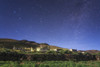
column 64, row 23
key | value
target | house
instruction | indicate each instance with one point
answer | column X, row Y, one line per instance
column 55, row 49
column 73, row 50
column 83, row 52
column 25, row 49
column 42, row 48
column 29, row 49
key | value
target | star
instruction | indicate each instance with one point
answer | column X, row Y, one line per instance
column 14, row 11
column 20, row 18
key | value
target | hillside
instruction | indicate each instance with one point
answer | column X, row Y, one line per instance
column 56, row 47
column 8, row 40
column 93, row 51
column 10, row 43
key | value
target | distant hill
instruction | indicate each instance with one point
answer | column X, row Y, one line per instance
column 93, row 51
column 90, row 51
column 55, row 47
column 8, row 40
column 10, row 43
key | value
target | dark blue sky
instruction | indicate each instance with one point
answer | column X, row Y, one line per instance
column 64, row 23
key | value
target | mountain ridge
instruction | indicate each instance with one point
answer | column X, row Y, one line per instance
column 10, row 43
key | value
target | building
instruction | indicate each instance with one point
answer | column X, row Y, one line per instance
column 42, row 48
column 55, row 49
column 25, row 49
column 29, row 49
column 83, row 52
column 73, row 50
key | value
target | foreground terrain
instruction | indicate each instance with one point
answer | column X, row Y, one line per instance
column 49, row 64
column 23, row 53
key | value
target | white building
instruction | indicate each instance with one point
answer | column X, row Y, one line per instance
column 41, row 49
column 72, row 49
column 55, row 49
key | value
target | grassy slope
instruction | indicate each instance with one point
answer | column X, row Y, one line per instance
column 9, row 43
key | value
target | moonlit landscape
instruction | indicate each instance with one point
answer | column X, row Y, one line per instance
column 64, row 23
column 49, row 33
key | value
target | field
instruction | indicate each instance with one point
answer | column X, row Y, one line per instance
column 50, row 64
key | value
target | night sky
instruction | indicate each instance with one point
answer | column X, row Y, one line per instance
column 64, row 23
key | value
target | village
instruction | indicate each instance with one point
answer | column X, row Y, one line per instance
column 41, row 48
